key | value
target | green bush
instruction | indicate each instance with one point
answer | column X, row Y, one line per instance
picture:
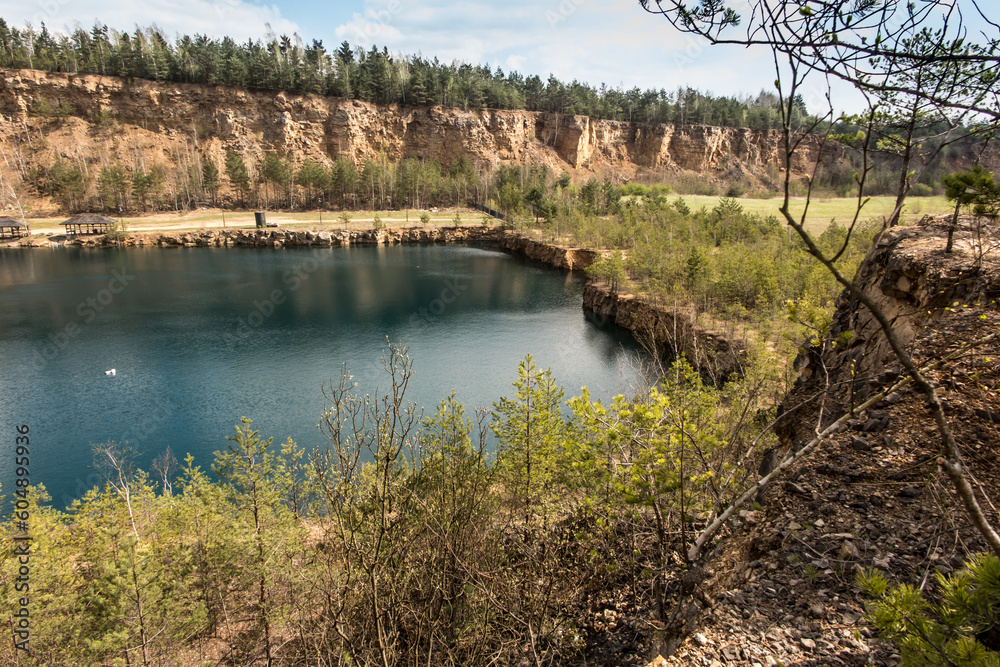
column 609, row 268
column 736, row 190
column 45, row 109
column 959, row 627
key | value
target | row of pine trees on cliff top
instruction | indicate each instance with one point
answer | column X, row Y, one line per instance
column 373, row 75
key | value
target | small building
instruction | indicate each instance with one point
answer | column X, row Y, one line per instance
column 12, row 229
column 87, row 223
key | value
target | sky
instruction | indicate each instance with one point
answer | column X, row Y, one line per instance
column 614, row 42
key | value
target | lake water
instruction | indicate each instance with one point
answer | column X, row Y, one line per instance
column 200, row 337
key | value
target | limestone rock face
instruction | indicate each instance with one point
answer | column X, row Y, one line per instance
column 167, row 125
column 277, row 238
column 673, row 330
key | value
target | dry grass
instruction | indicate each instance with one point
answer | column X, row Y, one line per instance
column 216, row 219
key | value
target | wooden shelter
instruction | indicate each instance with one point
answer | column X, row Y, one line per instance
column 87, row 223
column 12, row 229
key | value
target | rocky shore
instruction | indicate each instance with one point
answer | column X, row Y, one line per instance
column 715, row 353
column 674, row 330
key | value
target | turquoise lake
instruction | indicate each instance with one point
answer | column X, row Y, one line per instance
column 200, row 337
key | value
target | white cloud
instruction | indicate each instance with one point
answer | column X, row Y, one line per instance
column 595, row 41
column 216, row 18
column 515, row 63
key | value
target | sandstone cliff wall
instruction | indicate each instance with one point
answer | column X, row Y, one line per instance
column 174, row 126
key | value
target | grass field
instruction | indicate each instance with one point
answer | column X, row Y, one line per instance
column 821, row 212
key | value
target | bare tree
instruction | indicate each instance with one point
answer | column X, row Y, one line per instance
column 911, row 60
column 918, row 50
column 165, row 465
column 116, row 463
column 865, row 43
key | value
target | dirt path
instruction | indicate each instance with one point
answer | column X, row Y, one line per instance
column 312, row 220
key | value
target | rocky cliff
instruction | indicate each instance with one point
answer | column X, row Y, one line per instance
column 174, row 126
column 919, row 288
column 278, row 238
column 670, row 330
column 557, row 256
column 781, row 585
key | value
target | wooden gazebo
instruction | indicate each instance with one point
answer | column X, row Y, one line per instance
column 12, row 229
column 87, row 223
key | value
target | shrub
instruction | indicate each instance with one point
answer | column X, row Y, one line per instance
column 103, row 119
column 959, row 628
column 116, row 231
column 45, row 109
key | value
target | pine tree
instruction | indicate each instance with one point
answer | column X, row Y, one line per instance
column 960, row 628
column 210, row 178
column 236, row 170
column 248, row 469
column 530, row 430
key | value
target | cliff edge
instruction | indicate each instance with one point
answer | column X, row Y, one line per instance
column 782, row 583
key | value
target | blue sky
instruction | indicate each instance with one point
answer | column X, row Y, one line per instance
column 597, row 41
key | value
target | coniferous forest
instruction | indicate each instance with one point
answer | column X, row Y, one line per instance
column 372, row 75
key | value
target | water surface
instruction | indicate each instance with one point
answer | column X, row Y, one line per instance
column 199, row 337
